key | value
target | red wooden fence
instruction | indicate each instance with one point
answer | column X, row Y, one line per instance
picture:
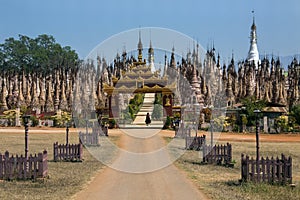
column 67, row 152
column 18, row 167
column 271, row 170
column 217, row 154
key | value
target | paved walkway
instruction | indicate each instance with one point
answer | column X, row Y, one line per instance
column 147, row 107
column 142, row 173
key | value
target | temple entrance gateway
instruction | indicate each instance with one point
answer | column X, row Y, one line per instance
column 157, row 91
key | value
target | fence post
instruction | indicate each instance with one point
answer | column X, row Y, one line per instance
column 268, row 163
column 55, row 151
column 204, row 152
column 40, row 165
column 252, row 169
column 257, row 169
column 277, row 168
column 6, row 165
column 45, row 163
column 290, row 170
column 263, row 170
column 284, row 168
column 1, row 166
column 80, row 151
column 242, row 167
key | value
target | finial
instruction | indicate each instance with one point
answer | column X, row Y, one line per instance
column 232, row 60
column 253, row 27
column 140, row 34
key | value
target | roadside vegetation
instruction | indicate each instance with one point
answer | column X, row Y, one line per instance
column 219, row 182
column 65, row 178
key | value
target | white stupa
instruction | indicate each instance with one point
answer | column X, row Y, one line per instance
column 253, row 55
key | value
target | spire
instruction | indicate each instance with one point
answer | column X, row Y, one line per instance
column 253, row 27
column 253, row 55
column 140, row 48
column 151, row 57
column 173, row 62
column 166, row 66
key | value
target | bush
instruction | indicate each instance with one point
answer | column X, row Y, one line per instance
column 112, row 123
column 167, row 123
column 34, row 121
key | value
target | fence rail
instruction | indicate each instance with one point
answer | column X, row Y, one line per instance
column 217, row 154
column 89, row 138
column 271, row 170
column 18, row 167
column 195, row 143
column 67, row 152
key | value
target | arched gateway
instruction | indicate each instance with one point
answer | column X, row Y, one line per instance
column 140, row 79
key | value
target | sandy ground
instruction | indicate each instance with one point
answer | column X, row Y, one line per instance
column 136, row 174
column 246, row 137
column 141, row 175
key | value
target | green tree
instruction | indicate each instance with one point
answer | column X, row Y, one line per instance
column 251, row 104
column 158, row 109
column 295, row 113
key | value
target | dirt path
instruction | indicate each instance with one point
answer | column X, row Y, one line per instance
column 129, row 182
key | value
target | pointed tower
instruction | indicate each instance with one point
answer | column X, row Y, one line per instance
column 253, row 55
column 140, row 48
column 165, row 67
column 151, row 57
column 3, row 103
column 173, row 61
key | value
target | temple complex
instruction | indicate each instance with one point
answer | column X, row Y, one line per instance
column 108, row 87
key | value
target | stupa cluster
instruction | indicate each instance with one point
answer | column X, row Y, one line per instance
column 210, row 81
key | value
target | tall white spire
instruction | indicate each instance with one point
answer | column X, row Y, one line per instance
column 253, row 54
column 151, row 57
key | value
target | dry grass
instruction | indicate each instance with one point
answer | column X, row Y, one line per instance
column 223, row 183
column 65, row 178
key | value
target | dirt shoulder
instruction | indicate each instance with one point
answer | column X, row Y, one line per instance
column 245, row 137
column 224, row 136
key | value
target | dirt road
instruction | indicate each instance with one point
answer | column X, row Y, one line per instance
column 141, row 173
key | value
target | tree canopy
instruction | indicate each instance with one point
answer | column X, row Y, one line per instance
column 251, row 104
column 41, row 55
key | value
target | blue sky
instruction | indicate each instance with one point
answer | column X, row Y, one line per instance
column 83, row 24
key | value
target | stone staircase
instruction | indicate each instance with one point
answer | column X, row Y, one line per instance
column 147, row 107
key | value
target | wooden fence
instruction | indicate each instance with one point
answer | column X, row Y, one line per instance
column 67, row 152
column 271, row 170
column 19, row 167
column 101, row 131
column 89, row 139
column 180, row 131
column 195, row 143
column 218, row 154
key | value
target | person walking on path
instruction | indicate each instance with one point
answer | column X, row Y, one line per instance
column 148, row 120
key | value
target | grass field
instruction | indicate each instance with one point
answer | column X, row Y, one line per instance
column 219, row 182
column 65, row 178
